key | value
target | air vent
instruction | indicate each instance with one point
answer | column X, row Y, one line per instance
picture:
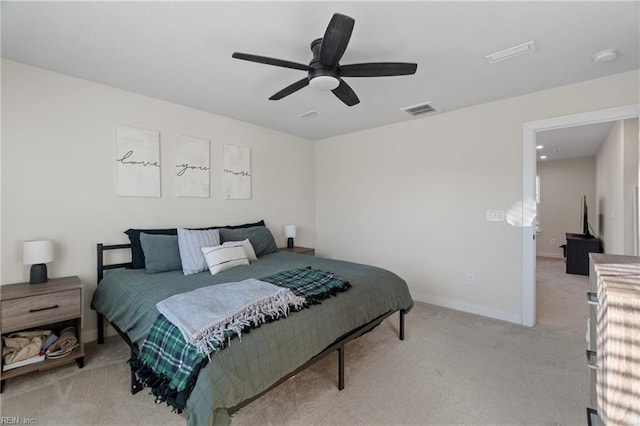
column 420, row 109
column 511, row 52
column 308, row 114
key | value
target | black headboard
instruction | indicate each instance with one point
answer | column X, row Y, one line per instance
column 101, row 248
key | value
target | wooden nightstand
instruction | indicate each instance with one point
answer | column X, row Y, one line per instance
column 300, row 250
column 53, row 305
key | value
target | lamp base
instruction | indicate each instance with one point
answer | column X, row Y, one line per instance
column 38, row 274
column 289, row 242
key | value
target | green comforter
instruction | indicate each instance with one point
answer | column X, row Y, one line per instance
column 128, row 297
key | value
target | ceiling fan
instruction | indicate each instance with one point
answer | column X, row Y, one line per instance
column 324, row 70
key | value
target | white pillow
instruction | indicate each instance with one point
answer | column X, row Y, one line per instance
column 190, row 243
column 221, row 258
column 248, row 248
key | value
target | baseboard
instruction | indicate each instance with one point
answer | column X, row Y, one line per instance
column 550, row 254
column 467, row 307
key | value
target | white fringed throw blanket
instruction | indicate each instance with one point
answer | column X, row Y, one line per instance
column 206, row 316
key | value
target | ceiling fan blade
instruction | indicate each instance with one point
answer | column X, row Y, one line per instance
column 345, row 93
column 378, row 69
column 335, row 39
column 300, row 84
column 270, row 61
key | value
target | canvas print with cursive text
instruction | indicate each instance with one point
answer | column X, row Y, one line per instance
column 137, row 162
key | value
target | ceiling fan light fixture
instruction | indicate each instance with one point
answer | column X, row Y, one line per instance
column 324, row 71
column 324, row 82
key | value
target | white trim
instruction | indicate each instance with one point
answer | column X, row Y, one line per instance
column 466, row 307
column 529, row 130
column 550, row 254
column 529, row 232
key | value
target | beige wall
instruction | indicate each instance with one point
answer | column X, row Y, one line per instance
column 563, row 183
column 59, row 181
column 616, row 177
column 412, row 197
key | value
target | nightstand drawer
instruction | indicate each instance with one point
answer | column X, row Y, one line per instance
column 32, row 311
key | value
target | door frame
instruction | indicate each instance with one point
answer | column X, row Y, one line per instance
column 529, row 136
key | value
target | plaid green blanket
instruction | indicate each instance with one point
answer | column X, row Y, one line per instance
column 165, row 349
column 312, row 284
column 169, row 365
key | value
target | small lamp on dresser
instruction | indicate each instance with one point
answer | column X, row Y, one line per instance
column 37, row 253
column 289, row 234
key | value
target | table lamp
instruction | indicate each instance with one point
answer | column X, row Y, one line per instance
column 289, row 234
column 37, row 253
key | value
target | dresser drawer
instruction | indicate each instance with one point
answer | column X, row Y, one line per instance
column 31, row 311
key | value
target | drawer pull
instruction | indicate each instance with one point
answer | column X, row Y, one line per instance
column 592, row 299
column 44, row 309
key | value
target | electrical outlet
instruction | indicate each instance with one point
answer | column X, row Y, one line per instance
column 470, row 278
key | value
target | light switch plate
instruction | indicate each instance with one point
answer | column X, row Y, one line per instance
column 495, row 215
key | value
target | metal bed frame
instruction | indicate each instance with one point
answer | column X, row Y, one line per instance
column 338, row 345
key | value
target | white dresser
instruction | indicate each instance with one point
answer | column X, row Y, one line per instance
column 613, row 340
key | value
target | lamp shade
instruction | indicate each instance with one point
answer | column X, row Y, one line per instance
column 37, row 251
column 289, row 231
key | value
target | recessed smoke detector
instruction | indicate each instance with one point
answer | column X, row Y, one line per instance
column 420, row 109
column 605, row 55
column 308, row 114
column 512, row 52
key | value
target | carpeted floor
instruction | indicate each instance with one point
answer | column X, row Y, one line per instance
column 453, row 369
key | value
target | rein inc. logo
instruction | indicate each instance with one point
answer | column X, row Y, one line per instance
column 7, row 420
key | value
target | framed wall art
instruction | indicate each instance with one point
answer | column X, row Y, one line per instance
column 192, row 167
column 237, row 172
column 137, row 162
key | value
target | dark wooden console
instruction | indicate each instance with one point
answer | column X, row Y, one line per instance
column 578, row 248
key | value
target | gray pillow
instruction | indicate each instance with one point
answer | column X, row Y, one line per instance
column 260, row 237
column 161, row 252
column 190, row 242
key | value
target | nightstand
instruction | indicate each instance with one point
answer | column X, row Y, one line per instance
column 299, row 250
column 53, row 305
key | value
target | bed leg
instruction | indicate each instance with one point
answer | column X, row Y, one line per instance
column 136, row 386
column 401, row 325
column 100, row 329
column 341, row 367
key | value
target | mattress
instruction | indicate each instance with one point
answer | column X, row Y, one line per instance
column 127, row 298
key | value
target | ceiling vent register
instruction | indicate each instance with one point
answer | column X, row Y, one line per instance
column 308, row 114
column 420, row 109
column 512, row 52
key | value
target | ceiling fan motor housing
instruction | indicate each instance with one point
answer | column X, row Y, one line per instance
column 321, row 76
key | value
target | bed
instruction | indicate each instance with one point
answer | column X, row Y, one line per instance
column 267, row 355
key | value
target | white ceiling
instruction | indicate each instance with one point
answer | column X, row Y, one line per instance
column 573, row 142
column 181, row 52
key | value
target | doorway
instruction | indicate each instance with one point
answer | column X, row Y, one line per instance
column 530, row 130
